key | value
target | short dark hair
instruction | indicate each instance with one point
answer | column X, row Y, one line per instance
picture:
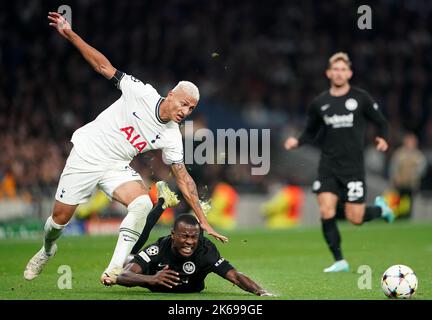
column 188, row 219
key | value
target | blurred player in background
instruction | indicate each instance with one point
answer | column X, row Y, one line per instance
column 180, row 262
column 341, row 115
column 139, row 121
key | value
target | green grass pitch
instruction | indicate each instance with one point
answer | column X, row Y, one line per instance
column 286, row 262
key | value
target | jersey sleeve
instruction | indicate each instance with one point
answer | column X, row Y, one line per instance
column 217, row 264
column 173, row 150
column 146, row 257
column 129, row 85
column 117, row 77
column 373, row 113
column 143, row 260
column 313, row 125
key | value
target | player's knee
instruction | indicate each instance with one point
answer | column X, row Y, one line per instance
column 141, row 205
column 354, row 216
column 327, row 212
column 355, row 219
column 357, row 222
column 60, row 216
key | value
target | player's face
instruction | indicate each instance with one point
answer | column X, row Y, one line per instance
column 180, row 105
column 339, row 73
column 185, row 239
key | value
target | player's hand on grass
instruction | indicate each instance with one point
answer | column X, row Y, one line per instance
column 59, row 22
column 291, row 143
column 212, row 232
column 381, row 144
column 166, row 277
column 108, row 282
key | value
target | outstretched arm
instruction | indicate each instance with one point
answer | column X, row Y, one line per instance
column 245, row 283
column 131, row 276
column 188, row 188
column 96, row 59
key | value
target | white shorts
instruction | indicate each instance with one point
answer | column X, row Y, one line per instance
column 80, row 178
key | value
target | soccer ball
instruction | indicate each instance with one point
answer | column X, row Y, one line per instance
column 399, row 281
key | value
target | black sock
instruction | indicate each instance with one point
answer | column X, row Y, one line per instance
column 332, row 236
column 371, row 213
column 152, row 218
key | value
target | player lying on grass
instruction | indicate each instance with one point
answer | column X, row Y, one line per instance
column 139, row 121
column 180, row 262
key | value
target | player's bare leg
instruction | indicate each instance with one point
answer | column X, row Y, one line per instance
column 355, row 212
column 134, row 195
column 359, row 213
column 327, row 202
column 54, row 226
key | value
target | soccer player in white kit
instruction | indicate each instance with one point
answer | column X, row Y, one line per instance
column 139, row 121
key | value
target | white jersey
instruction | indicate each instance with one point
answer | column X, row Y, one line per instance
column 131, row 125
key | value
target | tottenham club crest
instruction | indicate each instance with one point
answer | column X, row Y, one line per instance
column 152, row 250
column 351, row 104
column 189, row 267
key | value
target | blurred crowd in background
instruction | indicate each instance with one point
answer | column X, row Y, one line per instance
column 260, row 62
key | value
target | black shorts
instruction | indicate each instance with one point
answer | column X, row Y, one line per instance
column 349, row 188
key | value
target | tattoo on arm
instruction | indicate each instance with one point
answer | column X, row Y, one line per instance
column 178, row 168
column 192, row 187
column 185, row 179
column 187, row 185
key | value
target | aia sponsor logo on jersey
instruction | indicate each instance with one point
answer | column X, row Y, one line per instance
column 136, row 140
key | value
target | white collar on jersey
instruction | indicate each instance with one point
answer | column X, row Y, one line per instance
column 157, row 111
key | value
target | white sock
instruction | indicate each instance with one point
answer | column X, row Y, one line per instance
column 130, row 229
column 52, row 231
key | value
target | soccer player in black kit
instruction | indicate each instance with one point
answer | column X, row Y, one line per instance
column 180, row 262
column 341, row 115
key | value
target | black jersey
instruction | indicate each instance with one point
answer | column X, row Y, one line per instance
column 192, row 270
column 343, row 122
